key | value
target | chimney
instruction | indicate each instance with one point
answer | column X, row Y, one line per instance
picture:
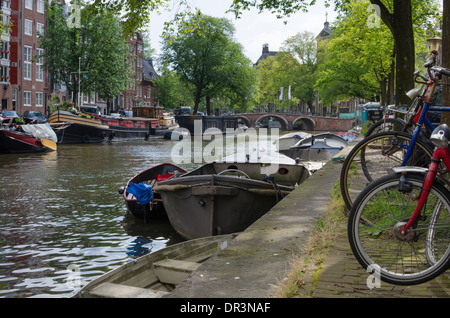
column 265, row 48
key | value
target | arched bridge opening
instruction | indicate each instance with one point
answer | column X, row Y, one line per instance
column 272, row 121
column 304, row 123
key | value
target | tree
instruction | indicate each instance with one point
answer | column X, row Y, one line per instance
column 97, row 48
column 202, row 51
column 396, row 15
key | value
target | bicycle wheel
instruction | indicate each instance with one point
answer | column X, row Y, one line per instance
column 375, row 156
column 375, row 221
column 388, row 124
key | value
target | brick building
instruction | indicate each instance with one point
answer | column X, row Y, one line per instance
column 25, row 84
column 23, row 78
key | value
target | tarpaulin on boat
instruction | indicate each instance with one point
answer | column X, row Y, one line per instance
column 40, row 131
column 142, row 191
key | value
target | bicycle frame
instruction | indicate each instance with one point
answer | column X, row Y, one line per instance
column 439, row 155
column 424, row 120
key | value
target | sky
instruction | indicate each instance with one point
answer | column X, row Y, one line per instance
column 252, row 29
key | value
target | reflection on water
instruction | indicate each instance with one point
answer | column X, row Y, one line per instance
column 62, row 208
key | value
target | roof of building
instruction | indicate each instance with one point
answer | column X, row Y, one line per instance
column 149, row 70
column 266, row 53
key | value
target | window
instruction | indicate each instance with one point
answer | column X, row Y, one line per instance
column 27, row 98
column 29, row 4
column 4, row 74
column 40, row 6
column 39, row 65
column 5, row 50
column 27, row 51
column 39, row 99
column 28, row 27
column 39, row 29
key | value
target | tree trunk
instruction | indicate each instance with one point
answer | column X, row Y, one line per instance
column 198, row 97
column 208, row 106
column 445, row 58
column 400, row 24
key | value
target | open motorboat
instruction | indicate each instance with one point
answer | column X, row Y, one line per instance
column 142, row 201
column 156, row 274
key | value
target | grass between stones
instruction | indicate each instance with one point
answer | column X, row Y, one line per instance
column 306, row 265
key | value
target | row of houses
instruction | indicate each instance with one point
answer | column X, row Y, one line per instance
column 25, row 84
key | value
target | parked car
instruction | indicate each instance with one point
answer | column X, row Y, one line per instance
column 9, row 116
column 34, row 116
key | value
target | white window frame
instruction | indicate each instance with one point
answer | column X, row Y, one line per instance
column 28, row 27
column 27, row 98
column 39, row 99
column 39, row 29
column 40, row 8
column 29, row 4
column 27, row 62
column 39, row 65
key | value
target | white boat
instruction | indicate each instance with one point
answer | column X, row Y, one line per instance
column 321, row 147
column 290, row 139
column 156, row 274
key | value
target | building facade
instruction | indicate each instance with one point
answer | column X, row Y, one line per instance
column 23, row 77
column 25, row 84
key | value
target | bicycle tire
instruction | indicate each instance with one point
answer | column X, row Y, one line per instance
column 370, row 159
column 373, row 231
column 388, row 124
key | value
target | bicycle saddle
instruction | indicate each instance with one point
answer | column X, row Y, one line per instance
column 440, row 136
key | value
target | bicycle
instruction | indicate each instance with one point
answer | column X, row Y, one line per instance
column 376, row 154
column 399, row 225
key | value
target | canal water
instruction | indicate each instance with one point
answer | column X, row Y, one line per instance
column 62, row 221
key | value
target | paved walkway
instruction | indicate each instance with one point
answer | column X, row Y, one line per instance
column 259, row 257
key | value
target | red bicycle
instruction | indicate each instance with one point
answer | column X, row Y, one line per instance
column 399, row 226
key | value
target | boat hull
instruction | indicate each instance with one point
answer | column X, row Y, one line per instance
column 145, row 276
column 12, row 142
column 208, row 205
column 72, row 129
column 154, row 209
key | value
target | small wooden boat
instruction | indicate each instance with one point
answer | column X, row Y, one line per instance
column 27, row 138
column 155, row 207
column 321, row 147
column 200, row 205
column 156, row 274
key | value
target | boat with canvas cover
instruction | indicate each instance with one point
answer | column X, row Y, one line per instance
column 27, row 138
column 203, row 203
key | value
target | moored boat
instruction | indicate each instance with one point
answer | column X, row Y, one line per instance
column 146, row 203
column 200, row 205
column 156, row 274
column 72, row 129
column 320, row 147
column 27, row 138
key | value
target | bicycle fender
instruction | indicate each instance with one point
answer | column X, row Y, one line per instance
column 420, row 170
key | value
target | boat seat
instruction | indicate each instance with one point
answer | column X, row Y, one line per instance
column 110, row 290
column 171, row 271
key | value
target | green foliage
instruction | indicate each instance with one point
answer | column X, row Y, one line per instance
column 97, row 48
column 203, row 52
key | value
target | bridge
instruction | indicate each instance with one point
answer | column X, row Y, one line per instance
column 299, row 121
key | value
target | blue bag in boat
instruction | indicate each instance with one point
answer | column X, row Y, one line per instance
column 142, row 191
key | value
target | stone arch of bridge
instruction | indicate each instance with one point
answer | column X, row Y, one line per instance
column 282, row 120
column 247, row 122
column 304, row 123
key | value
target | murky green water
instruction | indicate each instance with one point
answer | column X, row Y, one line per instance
column 61, row 215
column 62, row 209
